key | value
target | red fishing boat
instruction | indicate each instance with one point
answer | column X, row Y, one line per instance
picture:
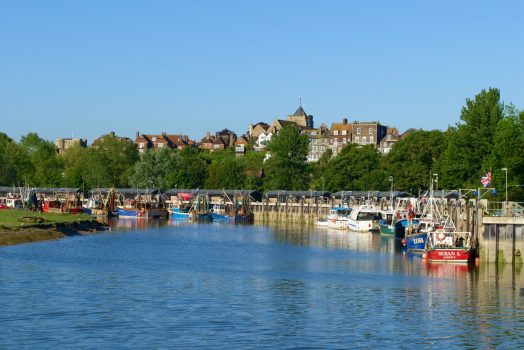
column 448, row 246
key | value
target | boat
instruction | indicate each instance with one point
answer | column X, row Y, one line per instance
column 243, row 212
column 448, row 246
column 180, row 213
column 395, row 221
column 219, row 213
column 431, row 220
column 364, row 218
column 338, row 218
column 201, row 210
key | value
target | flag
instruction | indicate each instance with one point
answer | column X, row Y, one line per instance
column 486, row 179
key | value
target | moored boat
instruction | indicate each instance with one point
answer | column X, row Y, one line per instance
column 338, row 218
column 451, row 247
column 364, row 218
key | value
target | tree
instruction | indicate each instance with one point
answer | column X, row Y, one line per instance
column 414, row 158
column 47, row 166
column 16, row 166
column 470, row 142
column 190, row 169
column 507, row 152
column 355, row 168
column 153, row 169
column 227, row 173
column 112, row 162
column 287, row 168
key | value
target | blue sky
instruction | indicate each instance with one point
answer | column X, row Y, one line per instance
column 84, row 68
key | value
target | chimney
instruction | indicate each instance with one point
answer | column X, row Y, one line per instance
column 250, row 129
column 208, row 134
column 345, row 121
column 137, row 134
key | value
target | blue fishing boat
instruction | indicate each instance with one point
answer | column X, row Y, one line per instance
column 181, row 214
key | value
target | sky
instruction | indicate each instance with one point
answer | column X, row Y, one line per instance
column 84, row 68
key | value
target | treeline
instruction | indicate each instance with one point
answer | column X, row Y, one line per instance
column 488, row 136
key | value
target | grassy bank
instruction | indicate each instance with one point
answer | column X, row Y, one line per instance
column 20, row 226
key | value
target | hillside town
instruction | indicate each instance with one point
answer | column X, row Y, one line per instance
column 321, row 138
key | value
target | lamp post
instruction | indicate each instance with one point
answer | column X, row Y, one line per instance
column 506, row 171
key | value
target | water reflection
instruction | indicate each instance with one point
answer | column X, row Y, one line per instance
column 167, row 284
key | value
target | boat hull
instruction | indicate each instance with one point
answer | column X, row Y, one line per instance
column 416, row 243
column 450, row 255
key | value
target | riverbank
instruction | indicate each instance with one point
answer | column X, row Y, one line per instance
column 20, row 226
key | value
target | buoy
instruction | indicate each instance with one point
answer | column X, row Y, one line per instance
column 441, row 236
column 424, row 256
column 404, row 241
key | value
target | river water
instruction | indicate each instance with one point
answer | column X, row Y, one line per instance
column 161, row 284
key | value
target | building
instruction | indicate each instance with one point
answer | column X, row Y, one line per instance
column 318, row 142
column 340, row 135
column 389, row 140
column 257, row 129
column 301, row 118
column 240, row 145
column 221, row 140
column 64, row 144
column 145, row 142
column 367, row 133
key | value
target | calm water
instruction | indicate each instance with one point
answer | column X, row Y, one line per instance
column 225, row 286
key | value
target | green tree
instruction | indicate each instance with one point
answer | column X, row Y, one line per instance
column 78, row 170
column 190, row 169
column 414, row 158
column 47, row 166
column 470, row 143
column 16, row 167
column 287, row 168
column 507, row 152
column 227, row 173
column 355, row 168
column 153, row 169
column 112, row 162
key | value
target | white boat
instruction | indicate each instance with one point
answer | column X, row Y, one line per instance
column 364, row 218
column 338, row 218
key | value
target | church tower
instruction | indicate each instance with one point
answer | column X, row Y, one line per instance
column 301, row 118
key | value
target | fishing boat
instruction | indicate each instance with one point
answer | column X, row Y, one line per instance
column 243, row 212
column 448, row 246
column 180, row 213
column 338, row 218
column 219, row 213
column 395, row 221
column 364, row 218
column 201, row 210
column 431, row 220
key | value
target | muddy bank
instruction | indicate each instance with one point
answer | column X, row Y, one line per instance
column 44, row 232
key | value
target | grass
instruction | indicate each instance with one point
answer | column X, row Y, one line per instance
column 16, row 218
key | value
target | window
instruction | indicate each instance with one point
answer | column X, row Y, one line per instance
column 322, row 148
column 314, row 141
column 141, row 145
column 358, row 131
column 344, row 132
column 314, row 149
column 313, row 133
column 160, row 145
column 216, row 146
column 154, row 138
column 335, row 132
column 364, row 140
column 357, row 139
column 344, row 140
column 371, row 139
column 371, row 131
